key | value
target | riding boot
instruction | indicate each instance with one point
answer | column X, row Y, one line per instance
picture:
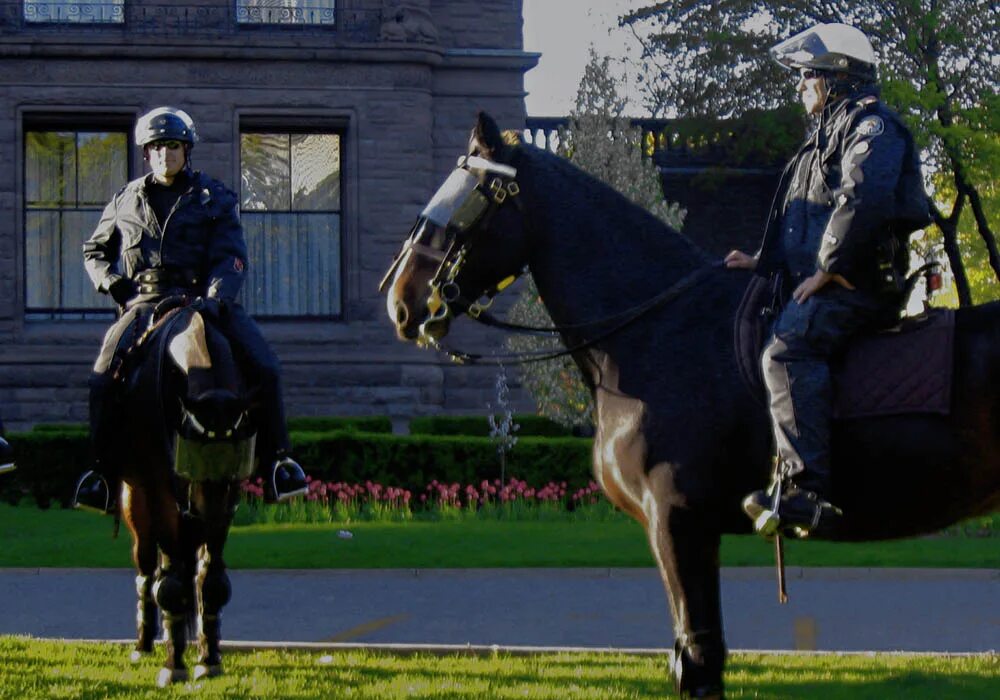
column 792, row 508
column 97, row 489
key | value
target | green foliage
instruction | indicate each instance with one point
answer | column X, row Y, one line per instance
column 704, row 60
column 50, row 462
column 530, row 426
column 412, row 461
column 366, row 424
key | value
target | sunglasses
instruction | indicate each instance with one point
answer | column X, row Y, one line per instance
column 169, row 145
column 809, row 74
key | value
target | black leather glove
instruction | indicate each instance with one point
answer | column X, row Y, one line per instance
column 121, row 290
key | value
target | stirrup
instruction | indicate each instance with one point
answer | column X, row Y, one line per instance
column 288, row 480
column 6, row 457
column 94, row 496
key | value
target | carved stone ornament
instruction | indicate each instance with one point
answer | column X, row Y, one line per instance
column 407, row 22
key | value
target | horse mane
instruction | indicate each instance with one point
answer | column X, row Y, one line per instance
column 640, row 252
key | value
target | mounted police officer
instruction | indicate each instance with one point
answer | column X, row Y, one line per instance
column 837, row 235
column 176, row 231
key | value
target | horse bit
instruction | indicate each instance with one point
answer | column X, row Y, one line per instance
column 448, row 243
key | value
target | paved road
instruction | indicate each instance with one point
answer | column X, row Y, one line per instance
column 830, row 609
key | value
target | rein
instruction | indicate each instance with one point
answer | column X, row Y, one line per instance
column 622, row 320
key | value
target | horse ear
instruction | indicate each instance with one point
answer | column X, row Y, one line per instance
column 486, row 140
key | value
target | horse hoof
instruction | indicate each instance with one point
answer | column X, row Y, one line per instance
column 167, row 676
column 207, row 671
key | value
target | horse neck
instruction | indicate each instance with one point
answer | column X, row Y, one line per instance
column 594, row 253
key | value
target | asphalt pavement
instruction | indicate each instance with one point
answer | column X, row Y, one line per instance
column 830, row 609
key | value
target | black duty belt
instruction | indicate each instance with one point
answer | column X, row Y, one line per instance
column 157, row 280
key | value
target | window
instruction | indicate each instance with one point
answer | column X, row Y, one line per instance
column 286, row 11
column 82, row 11
column 69, row 176
column 290, row 203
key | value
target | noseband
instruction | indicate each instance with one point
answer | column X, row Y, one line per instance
column 449, row 245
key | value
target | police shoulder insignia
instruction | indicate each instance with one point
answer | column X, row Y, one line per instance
column 871, row 126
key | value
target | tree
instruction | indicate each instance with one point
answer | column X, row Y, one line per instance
column 939, row 70
column 601, row 141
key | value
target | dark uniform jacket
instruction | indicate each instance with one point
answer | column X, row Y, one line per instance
column 849, row 199
column 201, row 238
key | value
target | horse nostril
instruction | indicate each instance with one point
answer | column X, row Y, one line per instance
column 401, row 314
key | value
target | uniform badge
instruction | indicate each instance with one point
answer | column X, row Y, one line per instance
column 205, row 197
column 871, row 126
column 237, row 264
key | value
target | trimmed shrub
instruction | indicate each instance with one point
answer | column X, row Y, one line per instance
column 529, row 425
column 365, row 424
column 50, row 462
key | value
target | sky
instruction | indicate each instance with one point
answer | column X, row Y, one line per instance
column 562, row 31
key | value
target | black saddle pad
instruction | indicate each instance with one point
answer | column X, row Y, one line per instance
column 905, row 369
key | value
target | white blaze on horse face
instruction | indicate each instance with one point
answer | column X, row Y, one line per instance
column 189, row 348
column 392, row 297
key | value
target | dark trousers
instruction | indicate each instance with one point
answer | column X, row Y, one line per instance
column 796, row 370
column 254, row 356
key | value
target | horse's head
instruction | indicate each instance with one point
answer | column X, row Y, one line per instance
column 468, row 243
column 215, row 433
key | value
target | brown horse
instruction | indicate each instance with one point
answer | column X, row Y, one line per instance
column 679, row 440
column 187, row 441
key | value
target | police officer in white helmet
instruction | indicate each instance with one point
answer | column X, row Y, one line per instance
column 836, row 240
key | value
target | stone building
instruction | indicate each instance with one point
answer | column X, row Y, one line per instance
column 332, row 119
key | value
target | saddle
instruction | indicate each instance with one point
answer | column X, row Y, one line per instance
column 903, row 369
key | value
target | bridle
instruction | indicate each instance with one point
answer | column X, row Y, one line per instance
column 448, row 244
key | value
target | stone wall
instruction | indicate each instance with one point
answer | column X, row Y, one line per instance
column 404, row 92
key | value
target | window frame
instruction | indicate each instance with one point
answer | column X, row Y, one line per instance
column 296, row 123
column 67, row 119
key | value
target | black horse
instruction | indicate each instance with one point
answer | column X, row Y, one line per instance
column 679, row 439
column 187, row 440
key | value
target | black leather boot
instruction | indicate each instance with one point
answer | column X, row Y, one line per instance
column 796, row 511
column 94, row 493
column 287, row 479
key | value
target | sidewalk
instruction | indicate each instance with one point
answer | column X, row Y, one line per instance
column 830, row 609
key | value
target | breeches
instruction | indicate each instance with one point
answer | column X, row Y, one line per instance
column 796, row 372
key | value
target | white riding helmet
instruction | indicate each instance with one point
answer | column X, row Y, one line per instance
column 834, row 47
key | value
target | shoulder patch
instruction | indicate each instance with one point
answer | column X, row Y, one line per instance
column 871, row 126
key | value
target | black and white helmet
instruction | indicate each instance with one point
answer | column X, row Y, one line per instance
column 833, row 47
column 165, row 123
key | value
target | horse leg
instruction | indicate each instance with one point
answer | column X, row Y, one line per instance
column 135, row 510
column 172, row 592
column 216, row 503
column 685, row 543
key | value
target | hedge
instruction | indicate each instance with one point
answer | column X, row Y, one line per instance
column 529, row 424
column 367, row 424
column 49, row 462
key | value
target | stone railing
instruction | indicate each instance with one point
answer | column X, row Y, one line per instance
column 222, row 19
column 658, row 135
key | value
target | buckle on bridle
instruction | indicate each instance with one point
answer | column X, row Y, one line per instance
column 497, row 190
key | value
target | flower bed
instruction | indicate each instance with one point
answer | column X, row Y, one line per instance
column 342, row 502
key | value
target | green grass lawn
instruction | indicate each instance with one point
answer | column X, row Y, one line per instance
column 50, row 669
column 63, row 538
